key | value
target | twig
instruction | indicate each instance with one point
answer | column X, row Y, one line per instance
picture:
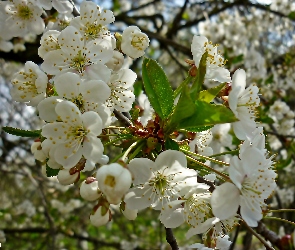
column 258, row 236
column 171, row 239
column 122, row 118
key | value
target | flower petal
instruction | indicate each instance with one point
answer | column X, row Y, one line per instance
column 225, row 201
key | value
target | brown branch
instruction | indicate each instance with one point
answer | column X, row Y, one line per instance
column 173, row 30
column 171, row 239
column 122, row 118
column 269, row 235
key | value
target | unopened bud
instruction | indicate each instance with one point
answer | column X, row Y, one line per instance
column 65, row 178
column 114, row 181
column 101, row 216
column 90, row 191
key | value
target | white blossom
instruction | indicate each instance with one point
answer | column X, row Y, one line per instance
column 22, row 16
column 114, row 181
column 92, row 22
column 62, row 6
column 89, row 189
column 134, row 42
column 193, row 207
column 253, row 181
column 66, row 178
column 157, row 183
column 100, row 217
column 243, row 103
column 29, row 85
column 78, row 56
column 74, row 137
column 215, row 62
column 121, row 84
column 86, row 95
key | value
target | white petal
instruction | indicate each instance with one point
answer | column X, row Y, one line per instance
column 138, row 200
column 95, row 91
column 172, row 159
column 92, row 122
column 92, row 148
column 173, row 219
column 225, row 201
column 69, row 112
column 251, row 215
column 141, row 170
column 46, row 108
column 67, row 157
column 67, row 85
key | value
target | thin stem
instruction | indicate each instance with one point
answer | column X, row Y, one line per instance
column 233, row 152
column 279, row 219
column 282, row 210
column 171, row 239
column 115, row 127
column 136, row 151
column 205, row 157
column 179, row 88
column 258, row 236
column 205, row 166
column 124, row 157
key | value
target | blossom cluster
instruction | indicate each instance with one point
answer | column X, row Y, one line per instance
column 84, row 80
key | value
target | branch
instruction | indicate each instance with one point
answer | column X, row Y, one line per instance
column 122, row 118
column 268, row 234
column 171, row 239
column 173, row 30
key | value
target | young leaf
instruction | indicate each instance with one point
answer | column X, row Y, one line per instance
column 51, row 172
column 200, row 77
column 207, row 114
column 22, row 132
column 209, row 94
column 199, row 128
column 184, row 108
column 170, row 144
column 157, row 88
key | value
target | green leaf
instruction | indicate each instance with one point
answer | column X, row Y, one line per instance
column 291, row 15
column 207, row 114
column 170, row 144
column 22, row 132
column 199, row 129
column 200, row 77
column 157, row 88
column 51, row 172
column 209, row 94
column 238, row 59
column 185, row 108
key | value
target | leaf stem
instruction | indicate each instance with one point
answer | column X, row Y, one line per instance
column 179, row 88
column 205, row 166
column 205, row 157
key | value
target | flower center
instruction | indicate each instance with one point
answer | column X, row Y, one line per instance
column 214, row 57
column 80, row 62
column 138, row 42
column 24, row 12
column 79, row 102
column 79, row 133
column 110, row 181
column 93, row 31
column 160, row 183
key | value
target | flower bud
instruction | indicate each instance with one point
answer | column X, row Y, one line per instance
column 36, row 149
column 101, row 216
column 65, row 178
column 116, row 62
column 114, row 181
column 90, row 191
column 130, row 214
